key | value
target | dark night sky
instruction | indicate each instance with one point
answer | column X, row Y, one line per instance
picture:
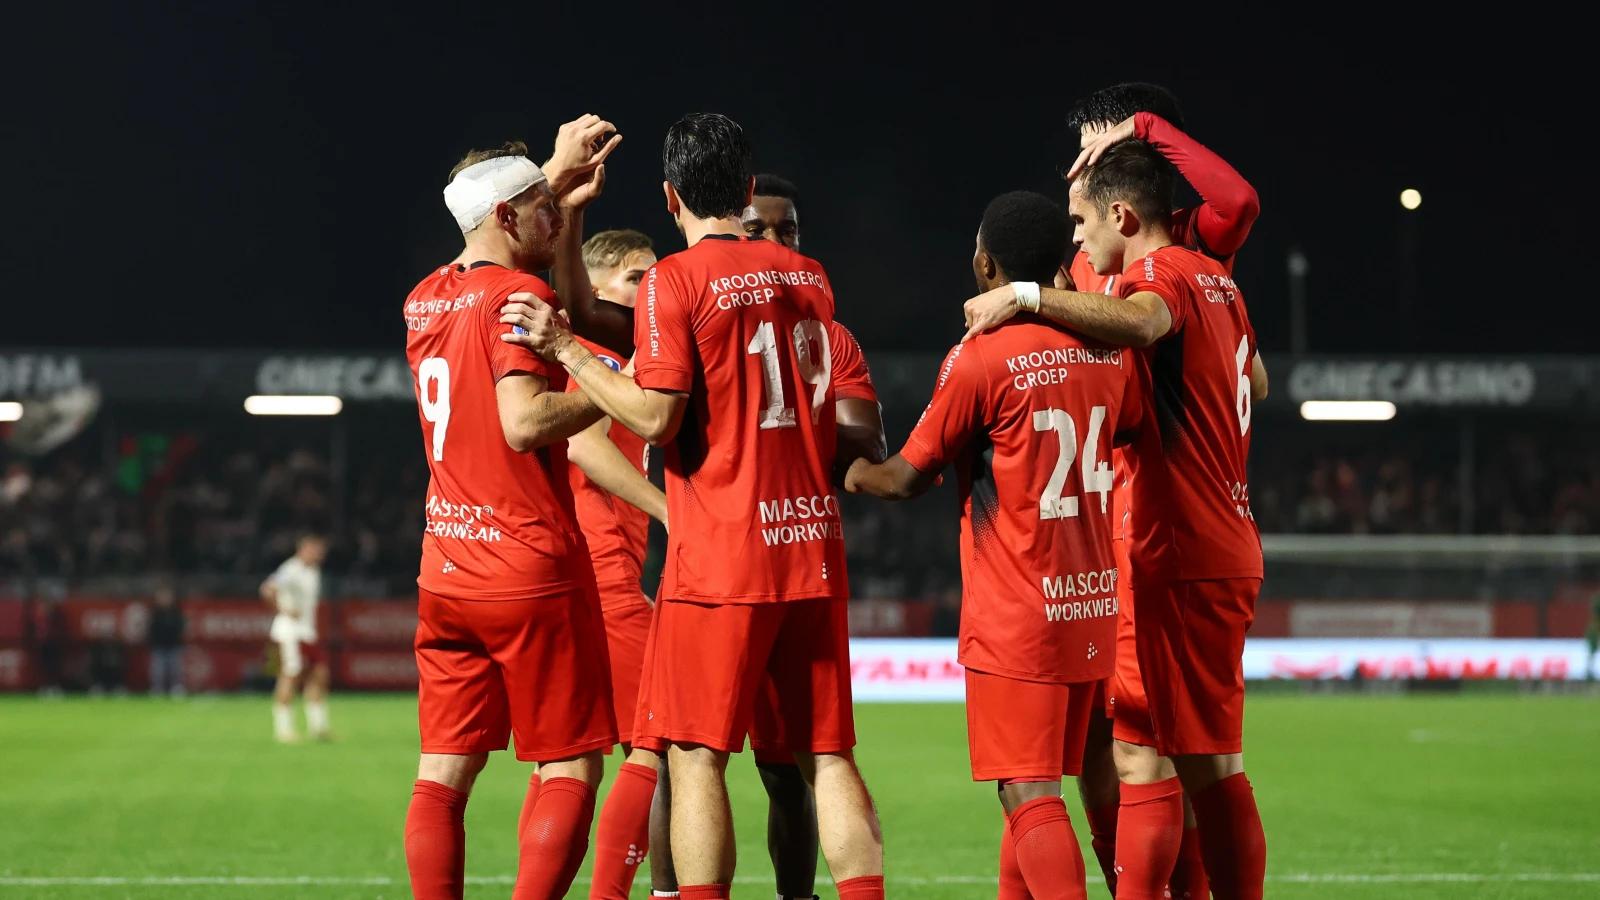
column 254, row 175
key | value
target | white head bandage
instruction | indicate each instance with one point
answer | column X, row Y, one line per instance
column 472, row 195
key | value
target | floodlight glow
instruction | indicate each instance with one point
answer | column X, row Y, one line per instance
column 1347, row 410
column 292, row 405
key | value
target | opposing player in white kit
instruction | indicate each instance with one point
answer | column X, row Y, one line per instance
column 293, row 590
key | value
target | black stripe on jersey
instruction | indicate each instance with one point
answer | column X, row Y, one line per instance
column 1171, row 399
column 985, row 496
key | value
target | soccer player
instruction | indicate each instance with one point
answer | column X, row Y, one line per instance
column 1217, row 227
column 615, row 502
column 611, row 264
column 1028, row 414
column 1194, row 550
column 732, row 377
column 773, row 214
column 509, row 636
column 294, row 590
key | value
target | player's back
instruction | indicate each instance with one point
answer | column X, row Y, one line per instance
column 500, row 524
column 1191, row 514
column 741, row 327
column 1039, row 576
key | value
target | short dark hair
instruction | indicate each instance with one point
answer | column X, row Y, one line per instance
column 1135, row 173
column 707, row 159
column 1110, row 105
column 1027, row 234
column 473, row 157
column 769, row 185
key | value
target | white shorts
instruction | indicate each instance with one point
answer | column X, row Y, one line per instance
column 294, row 656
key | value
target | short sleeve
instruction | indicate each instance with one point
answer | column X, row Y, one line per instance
column 953, row 415
column 1131, row 412
column 1159, row 276
column 663, row 333
column 513, row 359
column 851, row 378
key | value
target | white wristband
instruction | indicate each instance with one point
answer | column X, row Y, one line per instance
column 1027, row 293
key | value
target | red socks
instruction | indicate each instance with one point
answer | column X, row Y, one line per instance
column 863, row 887
column 703, row 891
column 1103, row 839
column 1047, row 850
column 527, row 805
column 555, row 839
column 1012, row 885
column 1149, row 833
column 1189, row 875
column 623, row 839
column 1231, row 839
column 436, row 841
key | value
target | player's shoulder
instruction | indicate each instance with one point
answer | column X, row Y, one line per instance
column 1172, row 262
column 839, row 332
column 510, row 281
column 1027, row 334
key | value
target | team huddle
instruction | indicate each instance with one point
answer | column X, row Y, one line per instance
column 1097, row 415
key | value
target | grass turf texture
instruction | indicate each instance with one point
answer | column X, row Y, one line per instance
column 1500, row 790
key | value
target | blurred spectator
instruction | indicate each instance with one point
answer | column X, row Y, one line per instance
column 165, row 636
column 50, row 636
column 108, row 667
column 226, row 502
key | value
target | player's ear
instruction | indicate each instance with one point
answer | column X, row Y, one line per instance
column 986, row 265
column 506, row 215
column 673, row 203
column 1126, row 220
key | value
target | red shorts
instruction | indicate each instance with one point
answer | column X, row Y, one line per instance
column 627, row 620
column 491, row 669
column 1190, row 641
column 768, row 742
column 706, row 664
column 1126, row 704
column 1026, row 729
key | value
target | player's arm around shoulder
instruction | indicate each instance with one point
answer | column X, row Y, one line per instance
column 652, row 411
column 1136, row 321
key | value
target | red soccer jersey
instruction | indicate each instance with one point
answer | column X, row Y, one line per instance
column 740, row 326
column 851, row 379
column 1190, row 498
column 499, row 523
column 1027, row 412
column 616, row 531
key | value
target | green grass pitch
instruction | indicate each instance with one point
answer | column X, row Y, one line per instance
column 1362, row 796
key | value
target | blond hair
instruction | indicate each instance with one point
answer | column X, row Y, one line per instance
column 607, row 249
column 473, row 157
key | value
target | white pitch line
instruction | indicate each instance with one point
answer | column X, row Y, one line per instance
column 907, row 880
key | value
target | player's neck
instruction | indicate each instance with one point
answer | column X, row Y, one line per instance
column 485, row 251
column 1146, row 242
column 695, row 229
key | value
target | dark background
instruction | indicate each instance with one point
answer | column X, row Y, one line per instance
column 269, row 175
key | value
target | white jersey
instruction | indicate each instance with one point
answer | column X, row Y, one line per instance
column 299, row 587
